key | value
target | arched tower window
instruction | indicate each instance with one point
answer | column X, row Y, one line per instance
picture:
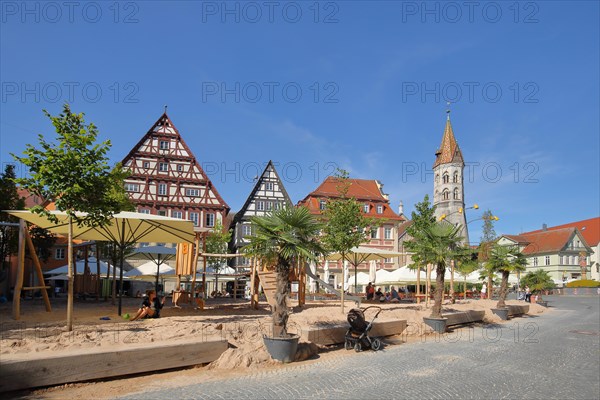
column 456, row 194
column 446, row 195
column 445, row 178
column 455, row 177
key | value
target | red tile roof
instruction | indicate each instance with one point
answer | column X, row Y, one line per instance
column 543, row 241
column 589, row 229
column 449, row 152
column 31, row 200
column 363, row 190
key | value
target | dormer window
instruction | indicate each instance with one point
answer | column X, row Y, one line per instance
column 366, row 208
column 379, row 209
column 322, row 204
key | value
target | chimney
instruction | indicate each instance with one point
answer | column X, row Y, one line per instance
column 544, row 227
column 401, row 208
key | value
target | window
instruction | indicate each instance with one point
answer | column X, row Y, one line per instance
column 387, row 232
column 210, row 220
column 144, row 211
column 192, row 192
column 535, row 261
column 269, row 186
column 322, row 204
column 379, row 209
column 277, row 205
column 164, row 145
column 446, row 195
column 445, row 178
column 573, row 260
column 132, row 187
column 260, row 206
column 560, row 260
column 455, row 177
column 162, row 189
column 179, row 168
column 456, row 194
column 269, row 205
column 163, row 167
column 246, row 230
column 547, row 260
column 146, row 164
column 373, row 233
column 60, row 253
column 194, row 218
column 162, row 213
column 177, row 214
column 365, row 208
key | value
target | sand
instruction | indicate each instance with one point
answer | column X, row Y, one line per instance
column 233, row 320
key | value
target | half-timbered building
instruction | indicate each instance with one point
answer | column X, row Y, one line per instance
column 166, row 179
column 268, row 194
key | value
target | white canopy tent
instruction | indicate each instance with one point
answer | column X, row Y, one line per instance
column 80, row 265
column 149, row 269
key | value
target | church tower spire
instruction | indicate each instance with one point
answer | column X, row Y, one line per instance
column 448, row 184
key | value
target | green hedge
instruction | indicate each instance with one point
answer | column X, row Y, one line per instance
column 583, row 283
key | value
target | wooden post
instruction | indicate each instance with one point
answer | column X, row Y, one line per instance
column 204, row 266
column 20, row 271
column 419, row 285
column 38, row 269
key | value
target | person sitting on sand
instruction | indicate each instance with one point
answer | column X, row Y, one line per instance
column 378, row 294
column 370, row 291
column 394, row 294
column 150, row 307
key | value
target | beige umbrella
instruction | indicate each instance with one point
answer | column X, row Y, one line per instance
column 360, row 254
column 123, row 229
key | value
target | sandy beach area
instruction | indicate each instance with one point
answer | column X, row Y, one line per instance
column 97, row 325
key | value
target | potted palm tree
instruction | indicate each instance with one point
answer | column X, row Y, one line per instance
column 436, row 244
column 282, row 238
column 538, row 281
column 505, row 259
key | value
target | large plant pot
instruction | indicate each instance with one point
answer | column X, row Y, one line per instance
column 282, row 348
column 542, row 303
column 437, row 324
column 501, row 312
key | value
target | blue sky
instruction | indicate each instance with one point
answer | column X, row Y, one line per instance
column 314, row 85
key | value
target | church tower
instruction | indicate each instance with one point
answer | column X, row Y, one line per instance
column 448, row 186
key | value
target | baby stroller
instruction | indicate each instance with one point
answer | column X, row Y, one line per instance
column 357, row 336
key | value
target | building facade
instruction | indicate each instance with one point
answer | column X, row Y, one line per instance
column 562, row 252
column 448, row 183
column 375, row 204
column 268, row 194
column 166, row 179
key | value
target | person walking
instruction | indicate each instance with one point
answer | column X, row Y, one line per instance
column 527, row 294
column 484, row 291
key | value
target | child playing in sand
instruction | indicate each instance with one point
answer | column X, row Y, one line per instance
column 150, row 307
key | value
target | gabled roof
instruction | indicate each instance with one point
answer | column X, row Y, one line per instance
column 269, row 168
column 589, row 229
column 449, row 152
column 549, row 241
column 363, row 190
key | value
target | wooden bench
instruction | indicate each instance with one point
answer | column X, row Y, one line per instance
column 327, row 335
column 463, row 317
column 28, row 370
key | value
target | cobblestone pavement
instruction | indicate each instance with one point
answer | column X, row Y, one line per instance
column 552, row 356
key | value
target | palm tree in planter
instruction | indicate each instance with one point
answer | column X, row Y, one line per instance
column 538, row 281
column 437, row 244
column 506, row 260
column 281, row 239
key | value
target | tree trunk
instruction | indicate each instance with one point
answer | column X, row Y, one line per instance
column 503, row 290
column 70, row 277
column 280, row 311
column 490, row 288
column 465, row 289
column 436, row 311
column 418, row 284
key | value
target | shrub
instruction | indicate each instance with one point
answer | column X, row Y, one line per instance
column 583, row 283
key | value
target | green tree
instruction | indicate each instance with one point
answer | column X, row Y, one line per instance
column 422, row 218
column 282, row 238
column 9, row 200
column 538, row 281
column 506, row 260
column 488, row 233
column 216, row 243
column 486, row 245
column 73, row 171
column 346, row 226
column 464, row 268
column 437, row 244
